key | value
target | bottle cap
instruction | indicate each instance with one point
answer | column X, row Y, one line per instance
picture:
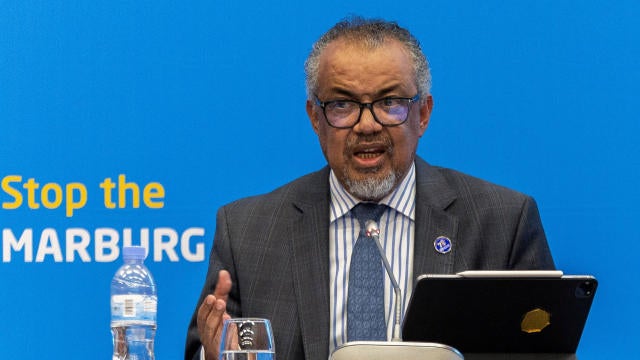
column 133, row 253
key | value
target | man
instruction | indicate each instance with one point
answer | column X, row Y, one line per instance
column 286, row 255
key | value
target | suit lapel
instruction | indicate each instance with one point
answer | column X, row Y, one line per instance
column 310, row 249
column 433, row 196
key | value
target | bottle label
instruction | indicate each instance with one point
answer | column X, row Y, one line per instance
column 133, row 307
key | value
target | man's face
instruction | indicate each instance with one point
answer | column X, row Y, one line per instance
column 369, row 160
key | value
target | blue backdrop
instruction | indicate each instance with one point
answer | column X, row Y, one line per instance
column 134, row 121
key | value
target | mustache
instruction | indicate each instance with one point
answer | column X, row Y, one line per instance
column 359, row 139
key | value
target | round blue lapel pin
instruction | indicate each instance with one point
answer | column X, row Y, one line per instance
column 442, row 244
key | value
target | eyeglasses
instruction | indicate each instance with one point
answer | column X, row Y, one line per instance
column 345, row 114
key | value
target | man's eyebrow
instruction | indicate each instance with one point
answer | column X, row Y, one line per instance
column 344, row 92
column 377, row 95
column 389, row 89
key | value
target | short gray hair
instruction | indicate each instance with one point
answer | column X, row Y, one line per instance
column 371, row 33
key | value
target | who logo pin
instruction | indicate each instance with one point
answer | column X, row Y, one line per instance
column 442, row 244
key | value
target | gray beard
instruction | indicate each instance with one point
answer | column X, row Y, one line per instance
column 371, row 189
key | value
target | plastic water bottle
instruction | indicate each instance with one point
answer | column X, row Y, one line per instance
column 134, row 303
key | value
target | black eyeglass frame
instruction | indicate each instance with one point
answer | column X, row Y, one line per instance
column 369, row 106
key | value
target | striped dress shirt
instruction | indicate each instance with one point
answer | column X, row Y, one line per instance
column 397, row 237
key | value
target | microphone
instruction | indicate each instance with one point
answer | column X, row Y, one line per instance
column 372, row 231
column 396, row 348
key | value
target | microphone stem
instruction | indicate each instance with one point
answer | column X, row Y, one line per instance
column 396, row 290
column 396, row 322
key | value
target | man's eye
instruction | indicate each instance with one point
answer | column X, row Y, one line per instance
column 341, row 105
column 391, row 102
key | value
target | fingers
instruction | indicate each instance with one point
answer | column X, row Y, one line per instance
column 223, row 287
column 211, row 316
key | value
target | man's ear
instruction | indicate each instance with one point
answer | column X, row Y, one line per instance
column 426, row 106
column 313, row 115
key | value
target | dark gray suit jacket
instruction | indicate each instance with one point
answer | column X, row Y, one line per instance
column 276, row 248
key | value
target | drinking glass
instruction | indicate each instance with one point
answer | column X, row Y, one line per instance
column 247, row 339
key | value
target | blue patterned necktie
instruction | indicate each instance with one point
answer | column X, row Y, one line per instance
column 365, row 302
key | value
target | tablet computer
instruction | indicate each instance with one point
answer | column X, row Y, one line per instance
column 500, row 311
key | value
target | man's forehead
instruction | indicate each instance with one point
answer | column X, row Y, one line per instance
column 363, row 71
column 347, row 50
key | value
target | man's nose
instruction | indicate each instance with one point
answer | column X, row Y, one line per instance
column 367, row 123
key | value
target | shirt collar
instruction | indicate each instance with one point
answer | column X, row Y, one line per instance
column 401, row 199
